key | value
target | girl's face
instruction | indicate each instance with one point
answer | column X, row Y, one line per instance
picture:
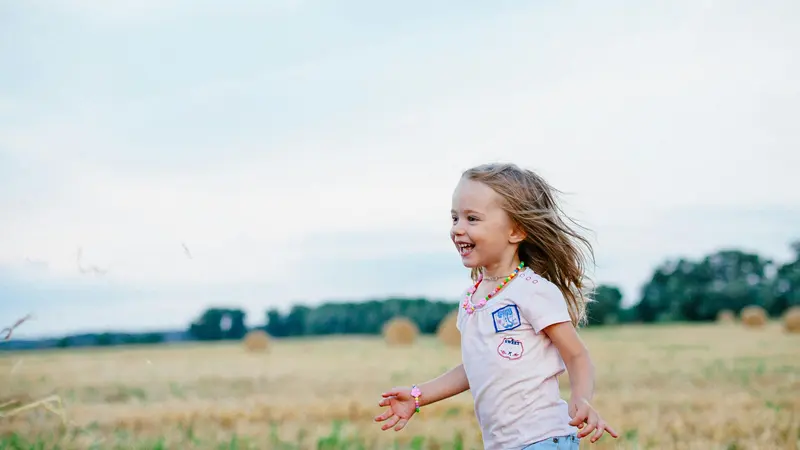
column 482, row 231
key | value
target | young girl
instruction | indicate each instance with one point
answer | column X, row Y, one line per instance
column 517, row 321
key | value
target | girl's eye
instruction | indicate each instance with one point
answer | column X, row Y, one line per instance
column 472, row 218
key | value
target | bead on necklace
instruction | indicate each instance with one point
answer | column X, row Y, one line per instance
column 467, row 304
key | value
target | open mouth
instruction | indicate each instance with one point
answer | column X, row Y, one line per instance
column 465, row 249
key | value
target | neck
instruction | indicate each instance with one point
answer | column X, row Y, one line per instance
column 501, row 269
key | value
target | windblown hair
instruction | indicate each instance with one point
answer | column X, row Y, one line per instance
column 552, row 248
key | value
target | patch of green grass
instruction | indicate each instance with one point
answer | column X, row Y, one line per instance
column 177, row 390
column 17, row 442
column 631, row 435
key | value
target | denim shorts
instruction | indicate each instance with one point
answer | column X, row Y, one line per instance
column 568, row 442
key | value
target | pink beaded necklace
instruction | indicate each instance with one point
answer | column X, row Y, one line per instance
column 470, row 308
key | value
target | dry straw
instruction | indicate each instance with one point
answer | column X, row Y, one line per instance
column 753, row 316
column 447, row 332
column 256, row 341
column 791, row 320
column 14, row 406
column 400, row 331
column 726, row 316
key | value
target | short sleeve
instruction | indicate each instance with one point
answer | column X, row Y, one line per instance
column 544, row 306
column 459, row 317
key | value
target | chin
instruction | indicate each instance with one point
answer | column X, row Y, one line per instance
column 469, row 264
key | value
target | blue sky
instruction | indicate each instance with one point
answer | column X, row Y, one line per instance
column 307, row 150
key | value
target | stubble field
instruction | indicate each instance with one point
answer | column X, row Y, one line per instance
column 663, row 387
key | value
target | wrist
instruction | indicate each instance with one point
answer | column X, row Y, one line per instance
column 416, row 393
column 581, row 398
column 426, row 396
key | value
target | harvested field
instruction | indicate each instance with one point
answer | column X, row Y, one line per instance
column 663, row 387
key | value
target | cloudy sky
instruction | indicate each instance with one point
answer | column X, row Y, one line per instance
column 307, row 150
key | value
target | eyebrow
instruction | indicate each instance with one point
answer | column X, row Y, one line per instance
column 468, row 211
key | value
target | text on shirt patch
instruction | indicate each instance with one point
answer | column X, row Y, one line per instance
column 510, row 348
column 506, row 318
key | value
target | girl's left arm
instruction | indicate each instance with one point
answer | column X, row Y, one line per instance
column 576, row 358
column 581, row 380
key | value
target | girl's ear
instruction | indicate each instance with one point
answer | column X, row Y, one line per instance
column 517, row 235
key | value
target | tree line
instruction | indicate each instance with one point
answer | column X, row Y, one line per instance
column 678, row 290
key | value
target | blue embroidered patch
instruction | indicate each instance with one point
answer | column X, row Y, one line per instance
column 506, row 318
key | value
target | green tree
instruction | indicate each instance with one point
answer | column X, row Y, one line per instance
column 295, row 322
column 698, row 290
column 104, row 339
column 237, row 328
column 606, row 305
column 785, row 286
column 275, row 324
column 365, row 317
column 218, row 324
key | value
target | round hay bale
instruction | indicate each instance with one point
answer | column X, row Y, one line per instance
column 400, row 331
column 447, row 332
column 753, row 316
column 256, row 341
column 791, row 320
column 726, row 316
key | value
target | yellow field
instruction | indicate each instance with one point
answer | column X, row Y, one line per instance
column 663, row 387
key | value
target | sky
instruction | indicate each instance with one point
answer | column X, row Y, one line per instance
column 307, row 150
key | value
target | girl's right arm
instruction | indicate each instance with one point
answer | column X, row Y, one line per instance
column 452, row 382
column 402, row 405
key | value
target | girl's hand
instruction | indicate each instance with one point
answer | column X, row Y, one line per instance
column 587, row 420
column 401, row 408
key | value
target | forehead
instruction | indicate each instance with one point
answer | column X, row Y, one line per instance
column 475, row 195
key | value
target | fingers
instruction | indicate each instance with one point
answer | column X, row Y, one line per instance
column 601, row 427
column 390, row 423
column 394, row 392
column 384, row 416
column 587, row 430
column 385, row 402
column 580, row 416
column 591, row 425
column 401, row 424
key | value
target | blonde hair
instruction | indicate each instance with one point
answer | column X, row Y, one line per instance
column 552, row 248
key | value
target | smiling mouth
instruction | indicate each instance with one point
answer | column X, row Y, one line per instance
column 465, row 249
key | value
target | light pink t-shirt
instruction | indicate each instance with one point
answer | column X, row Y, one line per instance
column 512, row 365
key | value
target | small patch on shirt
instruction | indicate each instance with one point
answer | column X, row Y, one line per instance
column 506, row 318
column 510, row 348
